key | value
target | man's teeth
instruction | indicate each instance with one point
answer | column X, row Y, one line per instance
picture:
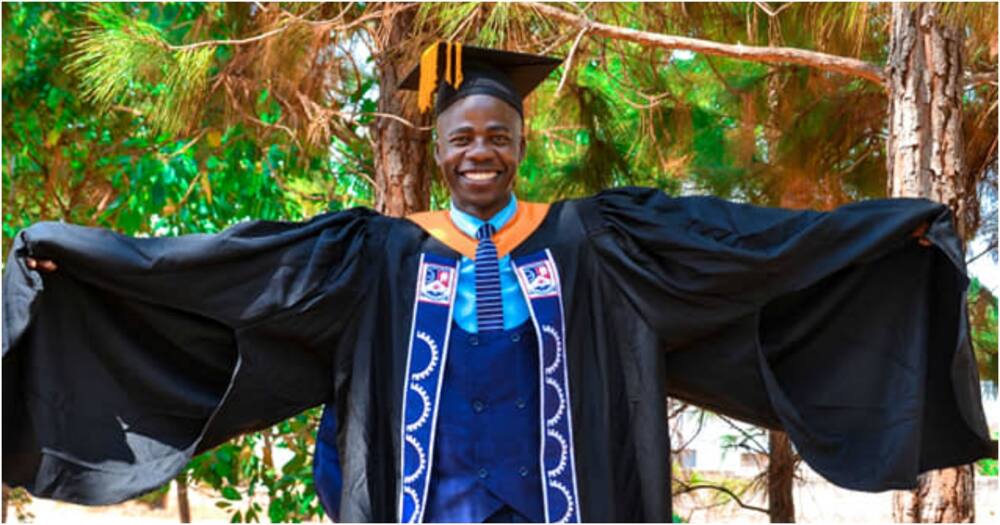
column 480, row 175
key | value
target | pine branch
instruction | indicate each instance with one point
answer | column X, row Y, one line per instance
column 691, row 488
column 569, row 59
column 333, row 25
column 230, row 41
column 770, row 55
column 975, row 79
column 989, row 249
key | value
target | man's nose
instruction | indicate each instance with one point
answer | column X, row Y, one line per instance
column 479, row 150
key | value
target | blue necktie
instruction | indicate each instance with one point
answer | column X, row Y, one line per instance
column 489, row 307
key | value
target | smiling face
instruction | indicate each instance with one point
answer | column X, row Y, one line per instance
column 478, row 149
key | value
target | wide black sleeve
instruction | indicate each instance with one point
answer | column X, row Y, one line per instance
column 139, row 352
column 837, row 327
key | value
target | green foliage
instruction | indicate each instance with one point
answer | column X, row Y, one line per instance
column 252, row 487
column 20, row 500
column 983, row 322
column 987, row 467
column 122, row 56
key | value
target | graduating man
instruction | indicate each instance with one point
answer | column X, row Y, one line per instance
column 501, row 361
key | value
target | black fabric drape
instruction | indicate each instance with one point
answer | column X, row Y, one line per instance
column 138, row 353
column 837, row 327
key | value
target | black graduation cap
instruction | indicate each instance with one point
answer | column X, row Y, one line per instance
column 456, row 71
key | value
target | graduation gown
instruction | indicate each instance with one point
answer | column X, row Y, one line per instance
column 835, row 327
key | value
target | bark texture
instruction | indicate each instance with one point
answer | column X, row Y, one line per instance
column 402, row 162
column 943, row 496
column 926, row 158
column 780, row 478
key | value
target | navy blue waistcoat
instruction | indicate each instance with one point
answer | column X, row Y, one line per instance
column 487, row 446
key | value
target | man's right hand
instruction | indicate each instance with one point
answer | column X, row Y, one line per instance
column 43, row 265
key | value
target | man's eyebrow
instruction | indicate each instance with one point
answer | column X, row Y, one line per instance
column 462, row 129
column 497, row 127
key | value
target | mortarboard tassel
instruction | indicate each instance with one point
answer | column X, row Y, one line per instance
column 447, row 65
column 428, row 77
column 458, row 66
column 429, row 72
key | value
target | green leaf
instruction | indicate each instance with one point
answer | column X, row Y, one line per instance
column 987, row 467
column 231, row 494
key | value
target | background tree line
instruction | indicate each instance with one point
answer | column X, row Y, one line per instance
column 166, row 119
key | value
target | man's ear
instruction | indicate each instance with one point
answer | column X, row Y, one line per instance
column 524, row 147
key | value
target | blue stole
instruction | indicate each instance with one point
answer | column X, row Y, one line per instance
column 427, row 356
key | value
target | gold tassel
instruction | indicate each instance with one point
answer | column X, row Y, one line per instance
column 458, row 65
column 428, row 77
column 447, row 64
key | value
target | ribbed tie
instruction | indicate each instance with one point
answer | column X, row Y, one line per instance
column 489, row 307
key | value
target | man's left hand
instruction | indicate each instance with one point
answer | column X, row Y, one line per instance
column 920, row 232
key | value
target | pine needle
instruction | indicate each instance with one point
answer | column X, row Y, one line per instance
column 123, row 60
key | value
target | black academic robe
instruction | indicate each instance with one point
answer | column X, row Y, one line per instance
column 835, row 327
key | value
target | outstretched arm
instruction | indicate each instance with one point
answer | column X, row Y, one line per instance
column 843, row 328
column 136, row 354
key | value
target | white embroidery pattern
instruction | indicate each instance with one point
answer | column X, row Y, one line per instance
column 569, row 500
column 432, row 362
column 561, row 408
column 563, row 453
column 425, row 412
column 416, row 502
column 421, row 465
column 551, row 369
column 412, row 481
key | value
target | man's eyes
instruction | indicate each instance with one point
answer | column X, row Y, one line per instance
column 464, row 140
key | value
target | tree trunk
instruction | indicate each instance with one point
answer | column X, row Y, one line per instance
column 780, row 478
column 781, row 458
column 926, row 156
column 183, row 503
column 942, row 496
column 402, row 163
column 926, row 159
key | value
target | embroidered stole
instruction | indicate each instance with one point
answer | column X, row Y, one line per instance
column 426, row 359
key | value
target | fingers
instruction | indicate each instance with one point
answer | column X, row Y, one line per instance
column 44, row 265
column 919, row 234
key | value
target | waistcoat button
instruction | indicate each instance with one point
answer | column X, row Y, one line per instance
column 483, row 473
column 474, row 340
column 478, row 406
column 523, row 471
column 515, row 337
column 521, row 403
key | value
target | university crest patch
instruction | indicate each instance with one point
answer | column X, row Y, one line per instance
column 540, row 279
column 436, row 283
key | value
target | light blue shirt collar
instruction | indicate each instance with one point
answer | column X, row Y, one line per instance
column 470, row 224
column 515, row 309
